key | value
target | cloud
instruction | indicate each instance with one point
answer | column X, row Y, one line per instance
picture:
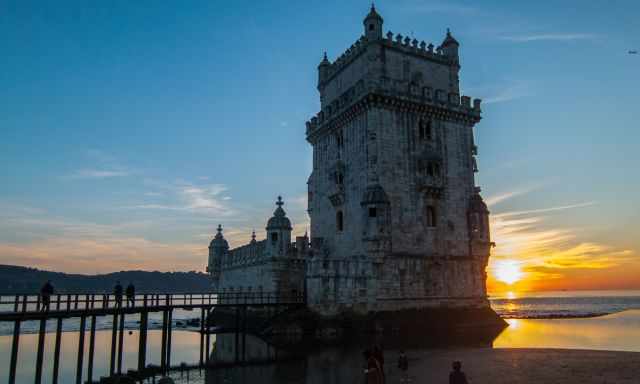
column 550, row 37
column 496, row 199
column 97, row 174
column 545, row 252
column 544, row 210
column 188, row 197
column 441, row 7
column 513, row 91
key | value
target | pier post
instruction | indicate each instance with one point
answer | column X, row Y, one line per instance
column 14, row 352
column 83, row 321
column 114, row 330
column 244, row 334
column 142, row 341
column 56, row 352
column 237, row 332
column 39, row 357
column 163, row 349
column 201, row 337
column 169, row 339
column 92, row 346
column 120, row 343
column 208, row 340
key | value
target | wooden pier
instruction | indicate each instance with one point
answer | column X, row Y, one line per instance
column 90, row 306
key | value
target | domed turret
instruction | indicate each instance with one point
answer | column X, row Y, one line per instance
column 218, row 248
column 450, row 45
column 373, row 24
column 278, row 231
column 478, row 218
column 323, row 71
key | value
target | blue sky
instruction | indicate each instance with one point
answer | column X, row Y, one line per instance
column 131, row 129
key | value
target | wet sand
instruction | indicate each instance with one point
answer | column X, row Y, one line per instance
column 520, row 366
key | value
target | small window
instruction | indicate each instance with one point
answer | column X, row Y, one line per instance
column 339, row 221
column 340, row 178
column 274, row 237
column 430, row 170
column 373, row 212
column 428, row 134
column 431, row 216
column 421, row 131
column 371, row 27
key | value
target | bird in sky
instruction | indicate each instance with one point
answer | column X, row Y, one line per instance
column 633, row 52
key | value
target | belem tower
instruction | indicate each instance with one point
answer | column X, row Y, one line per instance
column 397, row 222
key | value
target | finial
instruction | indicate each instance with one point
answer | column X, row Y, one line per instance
column 220, row 228
column 253, row 235
column 373, row 6
column 280, row 203
column 325, row 56
column 448, row 31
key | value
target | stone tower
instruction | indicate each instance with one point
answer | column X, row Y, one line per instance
column 397, row 221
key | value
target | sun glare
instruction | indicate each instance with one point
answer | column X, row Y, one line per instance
column 508, row 271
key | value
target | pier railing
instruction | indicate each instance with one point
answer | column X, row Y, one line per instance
column 89, row 306
column 25, row 304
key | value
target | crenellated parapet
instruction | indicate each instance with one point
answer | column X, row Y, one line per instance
column 392, row 93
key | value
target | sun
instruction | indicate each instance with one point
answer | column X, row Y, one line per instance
column 508, row 271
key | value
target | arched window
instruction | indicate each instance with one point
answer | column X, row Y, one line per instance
column 274, row 237
column 339, row 221
column 431, row 216
column 421, row 131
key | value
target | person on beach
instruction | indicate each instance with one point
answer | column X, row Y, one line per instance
column 457, row 376
column 378, row 354
column 403, row 366
column 45, row 293
column 373, row 370
column 117, row 291
column 131, row 295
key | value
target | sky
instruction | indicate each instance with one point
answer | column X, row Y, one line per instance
column 129, row 130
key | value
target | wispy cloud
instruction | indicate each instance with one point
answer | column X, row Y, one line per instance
column 550, row 37
column 97, row 174
column 544, row 210
column 440, row 7
column 207, row 199
column 506, row 195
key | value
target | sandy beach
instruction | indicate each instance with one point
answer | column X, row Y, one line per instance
column 525, row 366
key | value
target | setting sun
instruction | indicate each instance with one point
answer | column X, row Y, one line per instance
column 508, row 271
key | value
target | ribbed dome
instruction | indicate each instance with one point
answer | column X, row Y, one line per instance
column 449, row 40
column 373, row 14
column 279, row 219
column 375, row 194
column 219, row 241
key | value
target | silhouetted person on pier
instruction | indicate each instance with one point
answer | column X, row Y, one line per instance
column 131, row 295
column 403, row 366
column 117, row 291
column 45, row 293
column 373, row 370
column 457, row 376
column 378, row 354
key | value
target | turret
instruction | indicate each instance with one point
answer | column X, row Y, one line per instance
column 450, row 46
column 373, row 25
column 278, row 232
column 323, row 71
column 478, row 219
column 218, row 248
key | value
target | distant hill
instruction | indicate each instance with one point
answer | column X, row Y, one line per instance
column 14, row 280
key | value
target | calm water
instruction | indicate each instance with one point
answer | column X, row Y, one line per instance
column 618, row 330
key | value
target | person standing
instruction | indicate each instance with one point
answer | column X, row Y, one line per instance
column 403, row 365
column 117, row 292
column 457, row 376
column 131, row 295
column 45, row 293
column 373, row 370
